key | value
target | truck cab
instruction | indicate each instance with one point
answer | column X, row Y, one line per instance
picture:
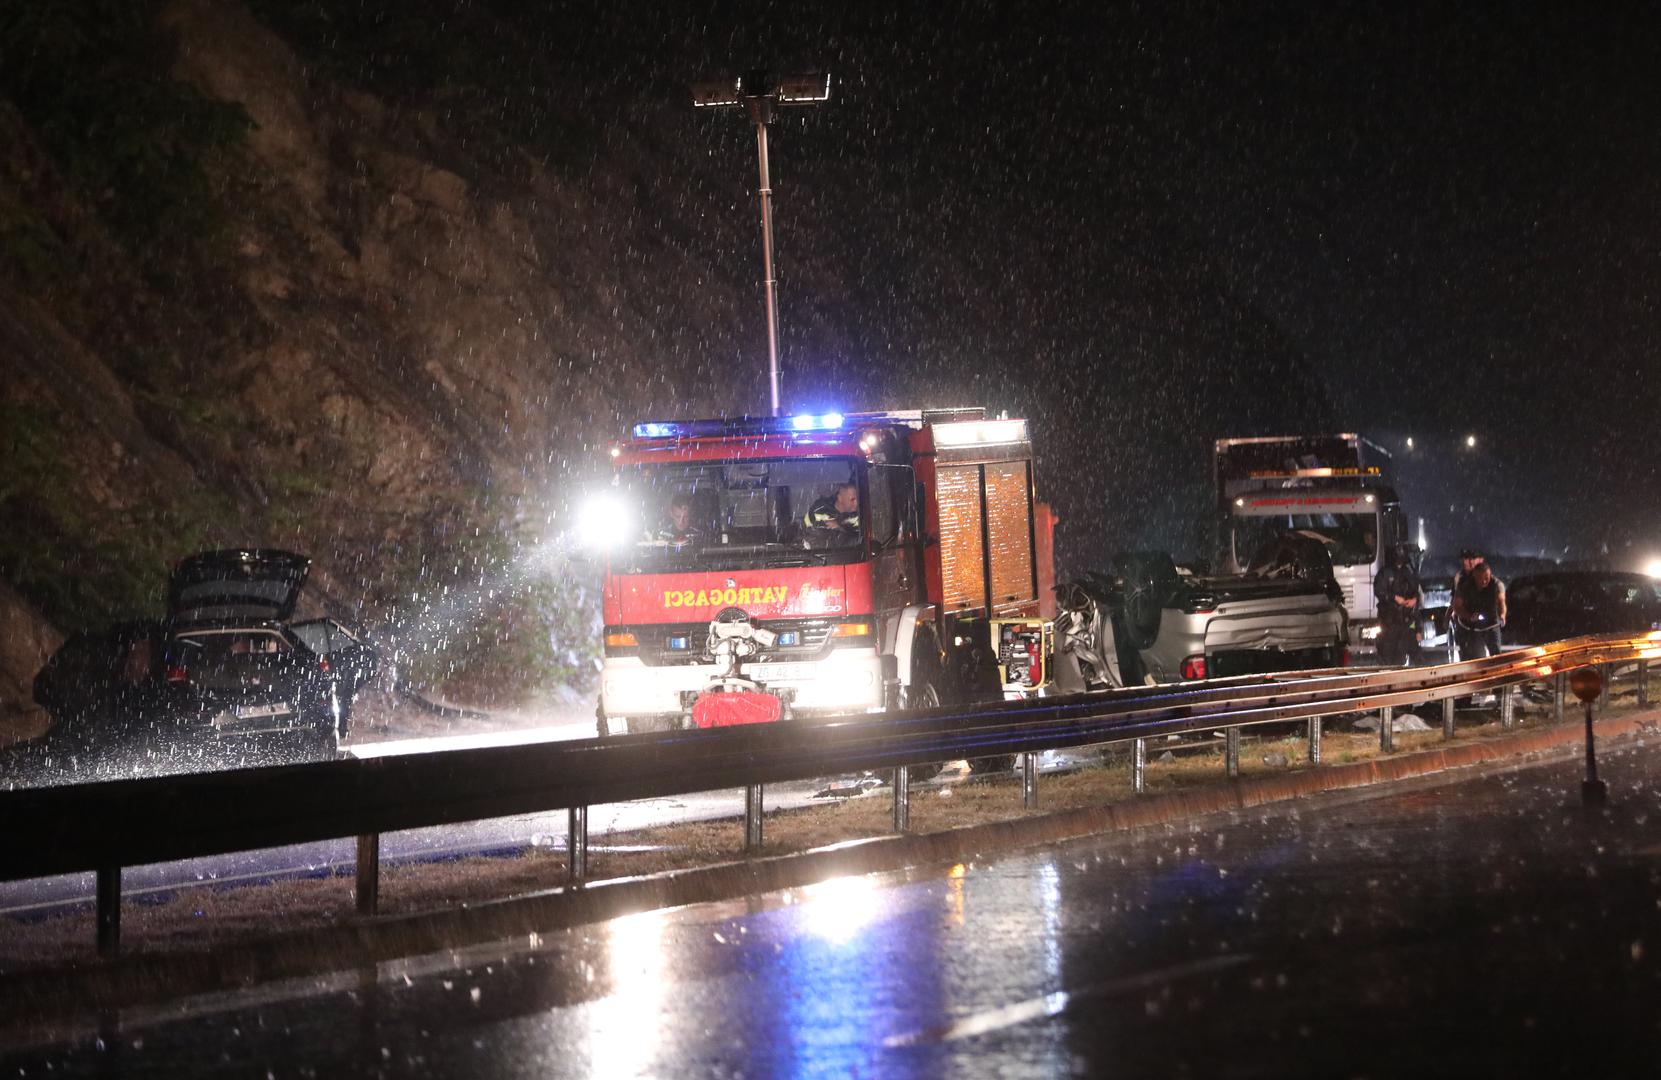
column 860, row 558
column 1331, row 488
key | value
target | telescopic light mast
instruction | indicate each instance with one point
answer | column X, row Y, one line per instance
column 759, row 92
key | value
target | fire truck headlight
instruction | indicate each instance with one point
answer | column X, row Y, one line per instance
column 604, row 523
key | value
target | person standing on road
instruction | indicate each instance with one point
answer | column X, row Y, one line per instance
column 1397, row 590
column 1468, row 560
column 1478, row 612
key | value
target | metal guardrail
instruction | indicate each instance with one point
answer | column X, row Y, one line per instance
column 107, row 825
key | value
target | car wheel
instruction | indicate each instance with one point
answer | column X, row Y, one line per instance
column 996, row 764
column 1149, row 579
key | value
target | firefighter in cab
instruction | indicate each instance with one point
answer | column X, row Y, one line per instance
column 833, row 521
column 678, row 529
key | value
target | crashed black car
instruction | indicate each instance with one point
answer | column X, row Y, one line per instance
column 1570, row 603
column 226, row 661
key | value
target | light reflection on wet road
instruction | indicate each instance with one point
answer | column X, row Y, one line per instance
column 1472, row 929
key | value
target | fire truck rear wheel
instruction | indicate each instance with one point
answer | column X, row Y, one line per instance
column 995, row 764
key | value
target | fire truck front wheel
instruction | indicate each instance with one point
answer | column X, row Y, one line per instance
column 922, row 692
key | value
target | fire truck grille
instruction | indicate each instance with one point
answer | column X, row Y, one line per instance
column 683, row 643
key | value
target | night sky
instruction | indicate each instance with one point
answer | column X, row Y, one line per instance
column 1442, row 216
column 1449, row 210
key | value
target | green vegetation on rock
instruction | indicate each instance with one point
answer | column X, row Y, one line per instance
column 91, row 78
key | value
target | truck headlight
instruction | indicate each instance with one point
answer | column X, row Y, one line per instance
column 604, row 523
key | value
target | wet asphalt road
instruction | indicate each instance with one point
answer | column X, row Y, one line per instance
column 1487, row 928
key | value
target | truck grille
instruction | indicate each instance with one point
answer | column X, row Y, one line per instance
column 657, row 642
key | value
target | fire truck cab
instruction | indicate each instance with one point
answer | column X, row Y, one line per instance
column 779, row 568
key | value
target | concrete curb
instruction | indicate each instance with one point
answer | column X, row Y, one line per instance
column 144, row 978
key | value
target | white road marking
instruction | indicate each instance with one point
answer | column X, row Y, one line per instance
column 1053, row 1004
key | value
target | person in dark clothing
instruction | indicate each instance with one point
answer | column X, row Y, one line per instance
column 834, row 520
column 678, row 529
column 1468, row 560
column 1478, row 612
column 1397, row 591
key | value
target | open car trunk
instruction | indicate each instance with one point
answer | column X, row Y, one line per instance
column 253, row 584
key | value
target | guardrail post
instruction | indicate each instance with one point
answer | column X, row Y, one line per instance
column 1231, row 751
column 1560, row 690
column 367, row 884
column 1139, row 766
column 109, row 912
column 1387, row 729
column 752, row 817
column 1029, row 780
column 576, row 844
column 1608, row 673
column 1447, row 717
column 1508, row 708
column 1314, row 740
column 902, row 799
column 1643, row 682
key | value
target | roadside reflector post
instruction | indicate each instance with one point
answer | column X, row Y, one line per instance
column 1643, row 681
column 576, row 844
column 1508, row 708
column 1029, row 780
column 902, row 798
column 1314, row 740
column 1560, row 693
column 109, row 912
column 752, row 817
column 1139, row 766
column 1447, row 717
column 1587, row 684
column 1231, row 751
column 367, row 885
column 1387, row 729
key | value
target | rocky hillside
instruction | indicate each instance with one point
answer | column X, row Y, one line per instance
column 376, row 287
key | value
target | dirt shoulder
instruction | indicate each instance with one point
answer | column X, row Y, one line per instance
column 213, row 936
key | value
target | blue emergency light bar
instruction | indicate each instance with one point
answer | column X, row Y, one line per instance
column 739, row 425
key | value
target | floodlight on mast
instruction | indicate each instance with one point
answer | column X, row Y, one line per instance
column 759, row 92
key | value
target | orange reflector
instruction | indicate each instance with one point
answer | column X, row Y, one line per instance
column 620, row 640
column 851, row 629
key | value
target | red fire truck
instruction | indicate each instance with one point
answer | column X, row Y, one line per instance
column 763, row 569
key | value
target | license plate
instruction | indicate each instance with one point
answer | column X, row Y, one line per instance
column 254, row 712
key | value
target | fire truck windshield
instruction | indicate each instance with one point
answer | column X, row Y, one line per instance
column 739, row 515
column 1351, row 538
